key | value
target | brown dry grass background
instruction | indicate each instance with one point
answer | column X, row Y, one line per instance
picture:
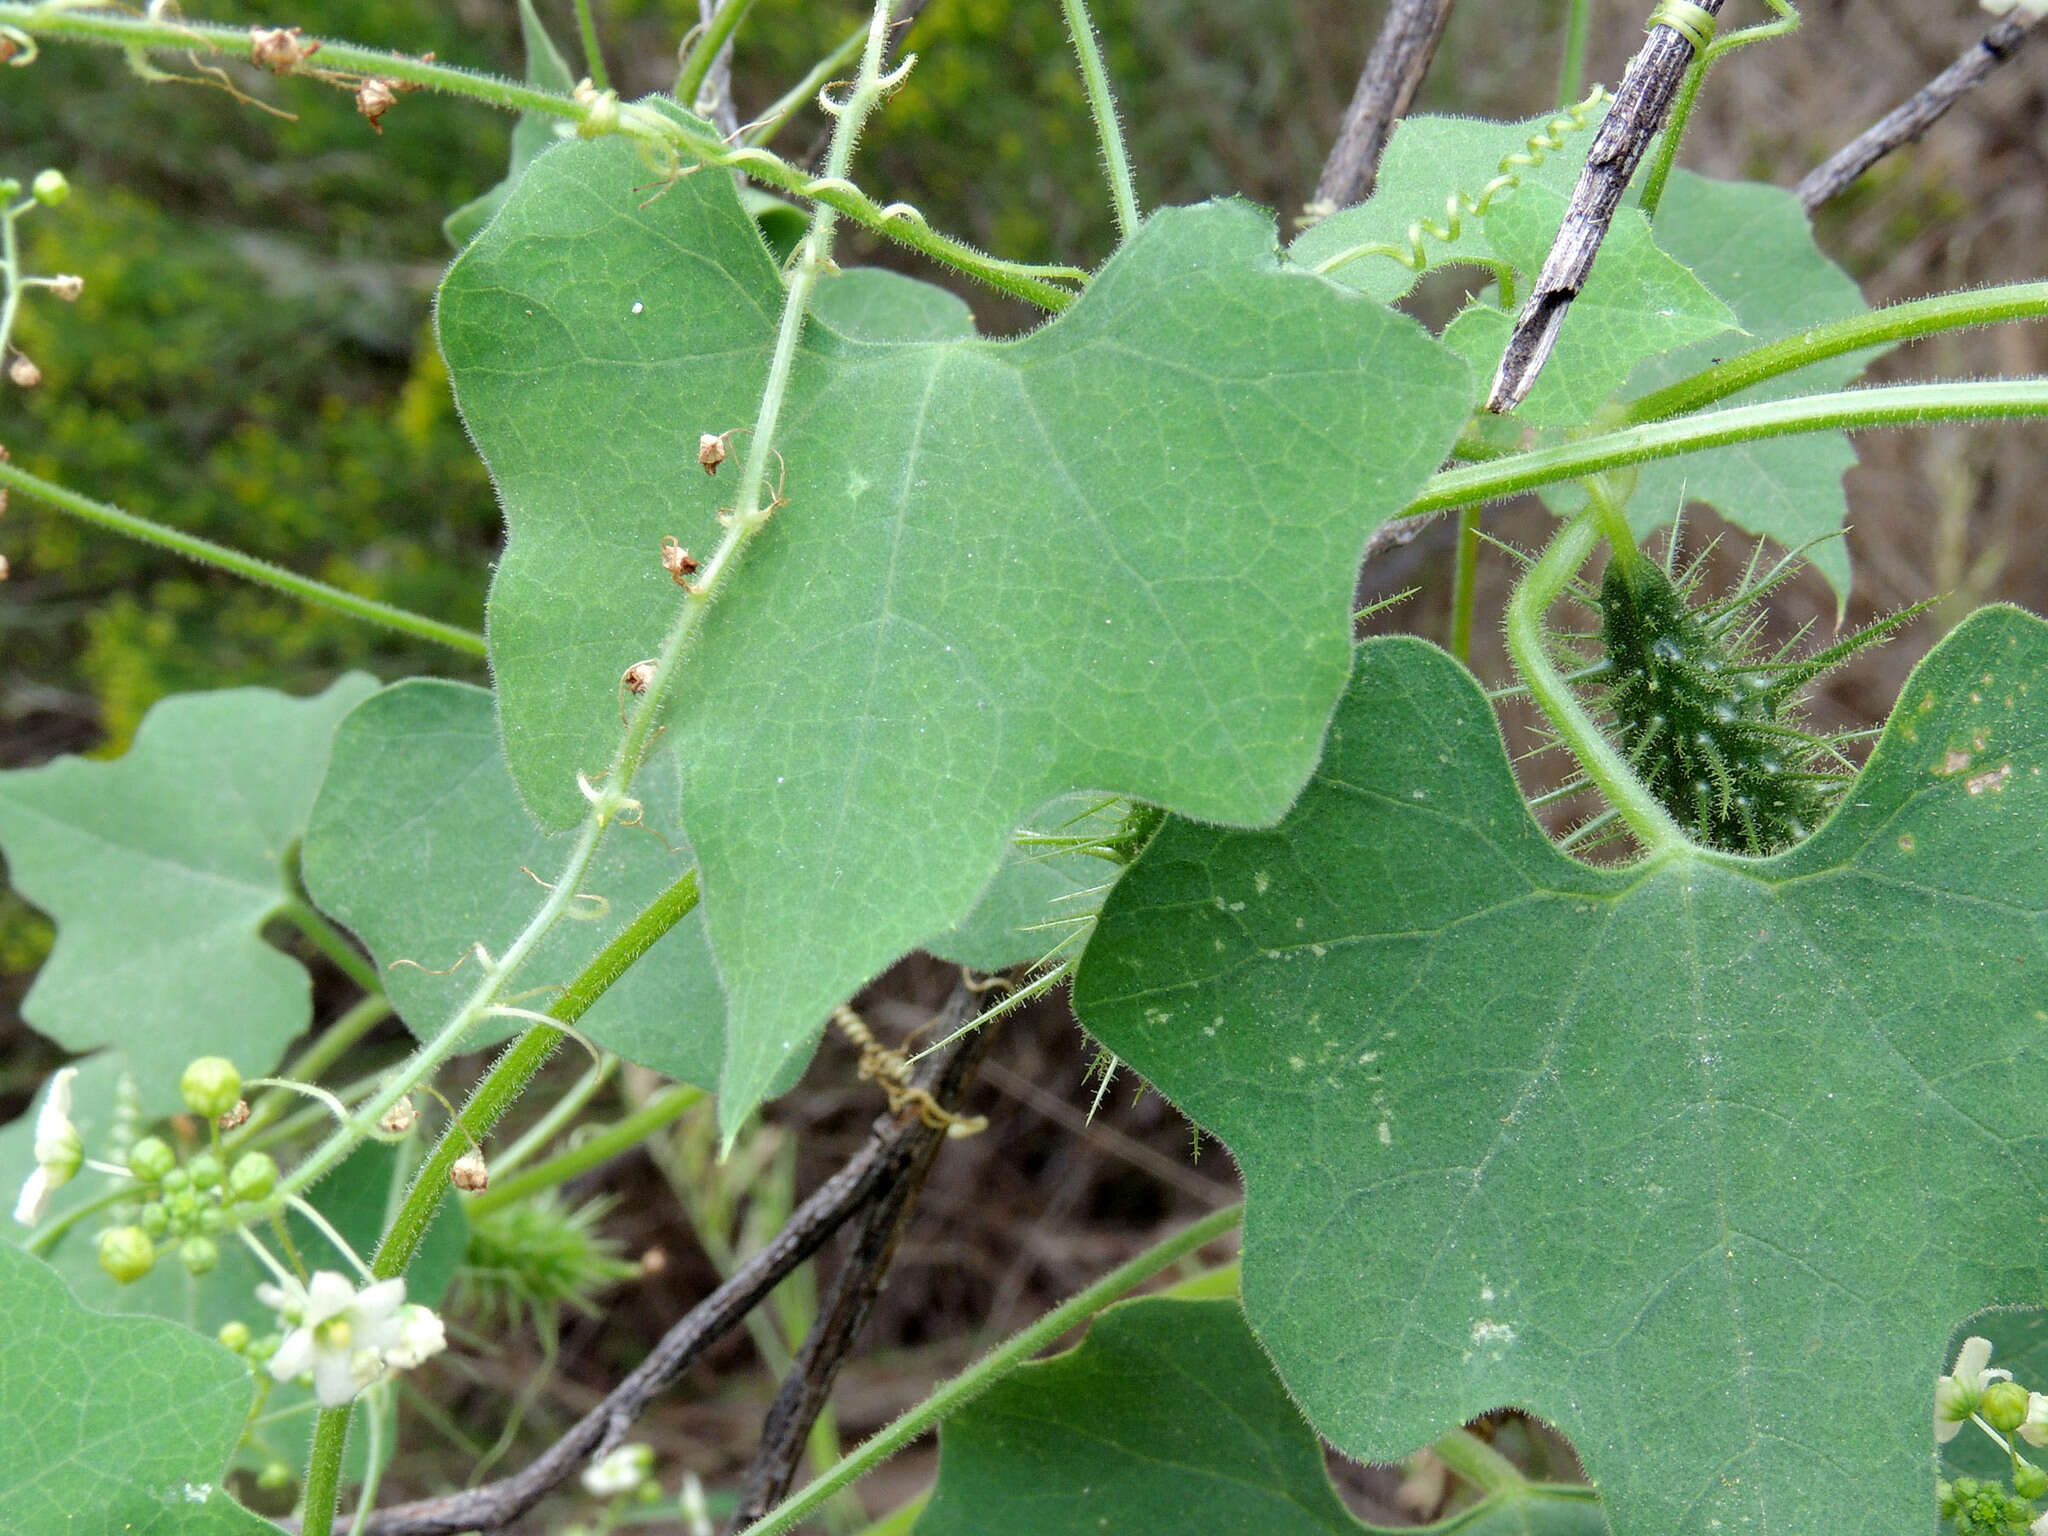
column 1046, row 1200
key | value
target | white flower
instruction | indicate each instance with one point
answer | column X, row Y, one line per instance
column 2034, row 1427
column 420, row 1334
column 59, row 1151
column 621, row 1471
column 1956, row 1396
column 2039, row 1527
column 696, row 1514
column 2035, row 9
column 345, row 1338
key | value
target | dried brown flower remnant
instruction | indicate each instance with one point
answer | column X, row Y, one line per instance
column 235, row 1116
column 399, row 1118
column 23, row 372
column 67, row 286
column 469, row 1172
column 679, row 563
column 280, row 49
column 711, row 451
column 374, row 97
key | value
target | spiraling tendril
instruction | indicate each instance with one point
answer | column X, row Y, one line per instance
column 1414, row 255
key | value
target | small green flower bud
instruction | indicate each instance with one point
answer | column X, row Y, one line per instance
column 234, row 1335
column 198, row 1254
column 151, row 1159
column 183, row 1205
column 206, row 1171
column 211, row 1086
column 212, row 1219
column 9, row 188
column 2028, row 1480
column 50, row 188
column 176, row 1180
column 126, row 1253
column 2004, row 1406
column 154, row 1219
column 264, row 1348
column 275, row 1474
column 253, row 1177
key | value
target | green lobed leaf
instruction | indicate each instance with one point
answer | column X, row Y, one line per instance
column 545, row 67
column 160, row 870
column 1167, row 1418
column 112, row 1423
column 1753, row 245
column 1698, row 1160
column 1117, row 553
column 1427, row 161
column 1042, row 894
column 420, row 844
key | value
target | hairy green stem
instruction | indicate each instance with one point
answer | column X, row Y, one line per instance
column 323, row 1471
column 1892, row 405
column 992, row 1367
column 328, row 1047
column 1040, row 285
column 1688, row 94
column 598, row 1148
column 1577, row 29
column 1879, row 328
column 1464, row 577
column 1478, row 1463
column 10, row 274
column 704, row 52
column 206, row 552
column 593, row 51
column 1102, row 103
column 1541, row 585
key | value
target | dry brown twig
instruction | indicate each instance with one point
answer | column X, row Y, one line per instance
column 1393, row 73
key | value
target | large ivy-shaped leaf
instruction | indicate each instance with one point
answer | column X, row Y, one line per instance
column 161, row 869
column 419, row 843
column 1168, row 1419
column 1117, row 553
column 112, row 1423
column 1700, row 1160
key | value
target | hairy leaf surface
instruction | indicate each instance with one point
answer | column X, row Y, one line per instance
column 420, row 844
column 112, row 1423
column 160, row 870
column 1117, row 553
column 1700, row 1160
column 1167, row 1419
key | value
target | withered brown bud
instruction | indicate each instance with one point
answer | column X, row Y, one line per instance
column 279, row 49
column 711, row 451
column 678, row 562
column 638, row 676
column 375, row 97
column 67, row 286
column 399, row 1118
column 23, row 372
column 470, row 1173
column 654, row 1261
column 235, row 1116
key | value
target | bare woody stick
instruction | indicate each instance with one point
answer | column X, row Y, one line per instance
column 1638, row 114
column 1904, row 125
column 1393, row 73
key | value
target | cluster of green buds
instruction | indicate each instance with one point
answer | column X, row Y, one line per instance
column 1974, row 1392
column 49, row 189
column 186, row 1206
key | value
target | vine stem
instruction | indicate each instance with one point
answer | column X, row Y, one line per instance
column 800, row 95
column 10, row 274
column 599, row 1148
column 1578, row 28
column 328, row 940
column 1892, row 405
column 598, row 114
column 1102, row 103
column 1541, row 585
column 1464, row 582
column 992, row 1367
column 593, row 50
column 1885, row 327
column 328, row 1047
column 249, row 567
column 1688, row 93
column 704, row 52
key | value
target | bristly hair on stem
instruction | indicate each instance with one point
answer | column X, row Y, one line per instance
column 1708, row 715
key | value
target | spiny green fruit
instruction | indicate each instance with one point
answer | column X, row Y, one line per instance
column 1710, row 721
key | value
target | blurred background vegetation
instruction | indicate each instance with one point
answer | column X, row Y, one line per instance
column 252, row 360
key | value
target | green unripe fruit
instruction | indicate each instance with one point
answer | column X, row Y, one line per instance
column 274, row 1475
column 155, row 1220
column 50, row 188
column 2004, row 1406
column 126, row 1253
column 206, row 1171
column 234, row 1335
column 212, row 1219
column 2028, row 1480
column 198, row 1254
column 253, row 1177
column 211, row 1086
column 177, row 1179
column 151, row 1159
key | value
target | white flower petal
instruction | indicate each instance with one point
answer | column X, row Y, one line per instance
column 34, row 1197
column 335, row 1381
column 1972, row 1358
column 327, row 1295
column 420, row 1335
column 294, row 1356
